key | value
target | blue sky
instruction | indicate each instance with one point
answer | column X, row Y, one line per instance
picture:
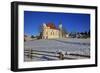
column 72, row 22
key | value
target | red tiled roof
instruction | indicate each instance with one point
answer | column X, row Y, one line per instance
column 51, row 25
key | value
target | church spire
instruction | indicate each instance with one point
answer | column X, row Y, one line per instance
column 60, row 25
column 44, row 25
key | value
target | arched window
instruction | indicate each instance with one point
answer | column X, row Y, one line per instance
column 51, row 33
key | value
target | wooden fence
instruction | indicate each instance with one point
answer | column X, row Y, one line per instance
column 30, row 53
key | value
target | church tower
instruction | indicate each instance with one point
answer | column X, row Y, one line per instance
column 60, row 30
column 44, row 31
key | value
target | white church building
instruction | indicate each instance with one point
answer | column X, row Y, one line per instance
column 50, row 31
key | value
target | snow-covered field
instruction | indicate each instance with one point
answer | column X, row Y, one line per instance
column 44, row 49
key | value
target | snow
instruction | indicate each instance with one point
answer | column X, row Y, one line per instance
column 67, row 46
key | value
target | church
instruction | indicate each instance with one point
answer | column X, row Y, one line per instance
column 50, row 31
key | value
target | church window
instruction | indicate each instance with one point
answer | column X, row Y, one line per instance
column 51, row 33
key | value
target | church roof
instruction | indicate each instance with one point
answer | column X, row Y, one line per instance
column 51, row 25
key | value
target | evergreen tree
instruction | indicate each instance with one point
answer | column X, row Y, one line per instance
column 32, row 36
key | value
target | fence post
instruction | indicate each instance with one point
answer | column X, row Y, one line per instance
column 30, row 54
column 61, row 56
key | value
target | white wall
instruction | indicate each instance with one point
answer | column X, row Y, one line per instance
column 5, row 35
